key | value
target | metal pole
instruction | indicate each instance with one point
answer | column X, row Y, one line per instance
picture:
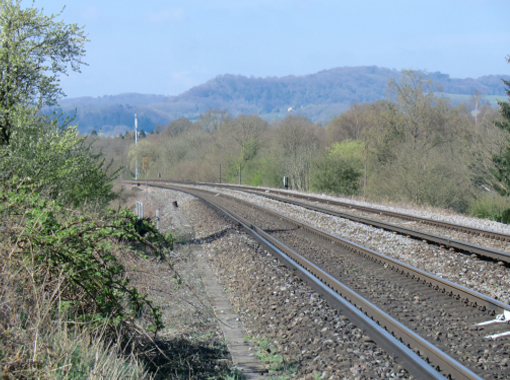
column 365, row 172
column 157, row 219
column 136, row 147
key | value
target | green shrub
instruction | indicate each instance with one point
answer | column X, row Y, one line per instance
column 84, row 250
column 491, row 206
column 49, row 151
column 340, row 170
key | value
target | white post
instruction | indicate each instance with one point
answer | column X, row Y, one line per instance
column 139, row 209
column 136, row 145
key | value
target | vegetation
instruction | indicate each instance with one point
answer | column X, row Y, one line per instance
column 67, row 305
column 340, row 169
column 502, row 160
column 318, row 96
column 64, row 288
column 414, row 146
column 36, row 49
column 268, row 354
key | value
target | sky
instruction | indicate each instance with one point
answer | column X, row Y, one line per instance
column 168, row 46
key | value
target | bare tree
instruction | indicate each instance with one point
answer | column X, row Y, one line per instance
column 213, row 119
column 299, row 140
column 350, row 124
column 239, row 141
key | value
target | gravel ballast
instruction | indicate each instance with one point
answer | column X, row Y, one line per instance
column 269, row 300
column 486, row 277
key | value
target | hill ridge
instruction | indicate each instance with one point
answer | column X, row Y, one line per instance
column 319, row 96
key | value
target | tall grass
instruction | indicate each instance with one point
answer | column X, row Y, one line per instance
column 38, row 340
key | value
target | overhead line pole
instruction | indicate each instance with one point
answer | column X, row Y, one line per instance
column 136, row 147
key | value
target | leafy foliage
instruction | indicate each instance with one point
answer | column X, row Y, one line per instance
column 64, row 165
column 502, row 160
column 35, row 50
column 491, row 206
column 85, row 248
column 340, row 170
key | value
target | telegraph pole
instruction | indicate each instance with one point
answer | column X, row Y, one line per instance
column 136, row 147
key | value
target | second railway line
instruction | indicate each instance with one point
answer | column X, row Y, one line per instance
column 487, row 364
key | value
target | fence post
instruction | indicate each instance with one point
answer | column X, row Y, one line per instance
column 139, row 210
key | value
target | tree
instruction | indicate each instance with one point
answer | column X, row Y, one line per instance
column 213, row 119
column 424, row 114
column 299, row 140
column 35, row 50
column 177, row 126
column 340, row 169
column 502, row 161
column 349, row 124
column 45, row 151
column 240, row 140
column 60, row 164
column 504, row 107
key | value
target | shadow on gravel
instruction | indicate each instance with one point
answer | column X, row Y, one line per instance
column 218, row 235
column 183, row 358
column 282, row 230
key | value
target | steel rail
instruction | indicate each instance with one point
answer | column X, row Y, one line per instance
column 438, row 223
column 433, row 222
column 469, row 296
column 440, row 284
column 377, row 324
column 459, row 245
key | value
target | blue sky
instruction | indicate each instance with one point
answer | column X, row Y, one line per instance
column 168, row 46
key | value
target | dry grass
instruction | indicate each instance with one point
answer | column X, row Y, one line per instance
column 191, row 346
column 38, row 339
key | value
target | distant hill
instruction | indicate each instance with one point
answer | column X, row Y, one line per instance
column 319, row 96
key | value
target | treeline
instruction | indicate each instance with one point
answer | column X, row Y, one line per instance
column 414, row 146
column 319, row 96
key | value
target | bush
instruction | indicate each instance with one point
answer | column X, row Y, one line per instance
column 82, row 250
column 49, row 151
column 423, row 177
column 491, row 206
column 340, row 170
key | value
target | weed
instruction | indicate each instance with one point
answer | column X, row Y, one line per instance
column 267, row 353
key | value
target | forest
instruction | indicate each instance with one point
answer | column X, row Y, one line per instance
column 319, row 96
column 414, row 146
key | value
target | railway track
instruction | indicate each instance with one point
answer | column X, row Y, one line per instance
column 495, row 235
column 443, row 240
column 403, row 299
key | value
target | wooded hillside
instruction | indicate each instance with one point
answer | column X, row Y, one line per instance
column 415, row 145
column 319, row 96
